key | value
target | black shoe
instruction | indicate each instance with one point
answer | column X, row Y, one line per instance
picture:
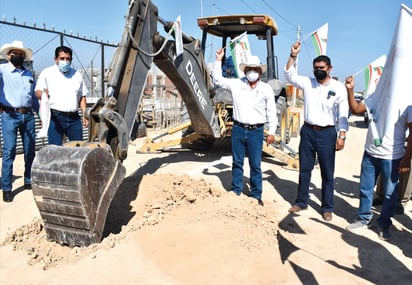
column 384, row 233
column 399, row 210
column 27, row 186
column 7, row 196
column 377, row 202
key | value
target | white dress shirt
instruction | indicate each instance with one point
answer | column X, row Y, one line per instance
column 324, row 104
column 65, row 89
column 250, row 105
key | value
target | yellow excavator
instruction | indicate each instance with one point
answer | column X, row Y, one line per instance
column 74, row 184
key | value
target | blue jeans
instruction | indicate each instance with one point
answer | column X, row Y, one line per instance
column 250, row 143
column 60, row 125
column 321, row 143
column 371, row 167
column 24, row 124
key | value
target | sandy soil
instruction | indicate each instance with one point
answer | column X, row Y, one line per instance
column 172, row 221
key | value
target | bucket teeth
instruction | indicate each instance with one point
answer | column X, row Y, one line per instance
column 73, row 188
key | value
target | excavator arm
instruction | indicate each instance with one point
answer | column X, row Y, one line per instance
column 190, row 75
column 112, row 118
column 74, row 184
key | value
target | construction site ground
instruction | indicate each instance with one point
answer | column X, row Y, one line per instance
column 173, row 221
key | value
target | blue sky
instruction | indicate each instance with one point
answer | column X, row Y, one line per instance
column 359, row 31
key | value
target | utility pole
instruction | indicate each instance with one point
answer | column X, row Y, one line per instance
column 201, row 8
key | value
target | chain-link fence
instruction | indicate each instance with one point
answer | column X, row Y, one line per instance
column 92, row 58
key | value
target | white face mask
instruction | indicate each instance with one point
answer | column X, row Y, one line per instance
column 64, row 66
column 252, row 76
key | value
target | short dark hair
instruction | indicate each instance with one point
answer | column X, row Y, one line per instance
column 323, row 58
column 63, row 49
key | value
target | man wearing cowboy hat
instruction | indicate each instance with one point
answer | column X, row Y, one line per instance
column 253, row 106
column 17, row 101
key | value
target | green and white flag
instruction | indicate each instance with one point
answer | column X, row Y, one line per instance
column 372, row 74
column 177, row 29
column 240, row 51
column 320, row 39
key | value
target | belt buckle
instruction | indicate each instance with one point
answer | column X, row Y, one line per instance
column 247, row 127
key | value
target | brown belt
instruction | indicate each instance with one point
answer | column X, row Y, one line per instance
column 318, row 128
column 22, row 110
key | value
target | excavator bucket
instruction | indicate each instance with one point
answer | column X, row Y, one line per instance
column 73, row 188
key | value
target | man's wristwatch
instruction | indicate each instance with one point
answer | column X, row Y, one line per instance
column 342, row 137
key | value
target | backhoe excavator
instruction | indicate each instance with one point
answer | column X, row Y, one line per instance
column 74, row 184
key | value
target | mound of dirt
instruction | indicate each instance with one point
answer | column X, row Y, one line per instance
column 170, row 195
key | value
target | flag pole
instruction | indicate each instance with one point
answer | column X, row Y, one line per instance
column 232, row 40
column 359, row 71
column 306, row 37
column 294, row 90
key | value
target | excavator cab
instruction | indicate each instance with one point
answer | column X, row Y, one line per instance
column 263, row 28
column 228, row 27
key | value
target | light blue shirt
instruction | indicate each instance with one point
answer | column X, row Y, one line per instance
column 17, row 87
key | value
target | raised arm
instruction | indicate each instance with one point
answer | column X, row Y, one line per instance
column 294, row 51
column 355, row 106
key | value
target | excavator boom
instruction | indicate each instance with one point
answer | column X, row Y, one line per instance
column 74, row 184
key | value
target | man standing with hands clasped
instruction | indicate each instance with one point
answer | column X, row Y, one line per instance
column 67, row 92
column 325, row 104
column 253, row 105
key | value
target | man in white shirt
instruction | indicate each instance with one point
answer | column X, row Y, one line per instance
column 325, row 103
column 253, row 105
column 388, row 160
column 67, row 92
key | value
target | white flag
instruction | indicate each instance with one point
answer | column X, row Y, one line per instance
column 393, row 93
column 44, row 113
column 373, row 73
column 177, row 28
column 320, row 39
column 240, row 51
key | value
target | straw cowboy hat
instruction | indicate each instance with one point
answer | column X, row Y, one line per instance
column 253, row 61
column 15, row 45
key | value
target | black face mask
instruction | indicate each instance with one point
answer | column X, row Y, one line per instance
column 320, row 74
column 17, row 60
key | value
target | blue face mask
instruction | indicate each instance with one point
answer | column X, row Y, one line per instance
column 64, row 66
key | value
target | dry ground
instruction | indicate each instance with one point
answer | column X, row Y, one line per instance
column 172, row 221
